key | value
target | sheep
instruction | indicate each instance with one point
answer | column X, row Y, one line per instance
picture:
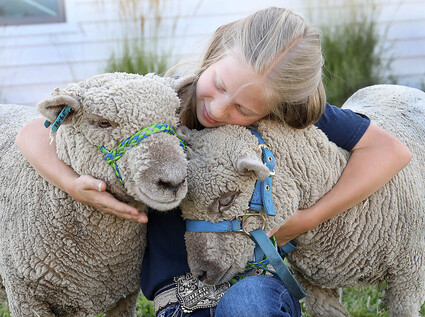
column 59, row 257
column 380, row 239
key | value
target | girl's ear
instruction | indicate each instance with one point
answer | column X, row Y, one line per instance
column 52, row 106
column 253, row 164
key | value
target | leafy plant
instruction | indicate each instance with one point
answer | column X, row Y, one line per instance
column 353, row 52
column 136, row 58
column 142, row 53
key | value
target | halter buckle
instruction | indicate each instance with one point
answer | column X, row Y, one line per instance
column 246, row 215
column 263, row 146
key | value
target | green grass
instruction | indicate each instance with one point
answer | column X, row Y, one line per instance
column 4, row 310
column 365, row 301
column 144, row 307
column 360, row 302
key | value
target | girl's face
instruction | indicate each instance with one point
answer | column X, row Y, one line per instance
column 230, row 92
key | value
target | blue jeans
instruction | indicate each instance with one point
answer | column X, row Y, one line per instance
column 252, row 296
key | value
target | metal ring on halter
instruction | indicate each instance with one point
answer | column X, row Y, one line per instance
column 246, row 215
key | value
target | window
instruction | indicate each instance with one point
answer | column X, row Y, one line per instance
column 14, row 12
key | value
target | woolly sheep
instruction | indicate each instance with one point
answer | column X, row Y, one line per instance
column 380, row 239
column 59, row 257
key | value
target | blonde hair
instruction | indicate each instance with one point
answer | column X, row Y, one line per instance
column 282, row 48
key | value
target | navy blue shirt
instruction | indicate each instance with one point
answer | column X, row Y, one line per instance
column 165, row 255
column 342, row 126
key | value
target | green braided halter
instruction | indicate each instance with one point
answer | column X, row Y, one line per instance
column 112, row 156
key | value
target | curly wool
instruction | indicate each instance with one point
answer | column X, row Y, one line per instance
column 59, row 257
column 380, row 239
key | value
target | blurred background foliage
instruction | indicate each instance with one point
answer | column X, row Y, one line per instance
column 352, row 46
column 142, row 54
column 353, row 50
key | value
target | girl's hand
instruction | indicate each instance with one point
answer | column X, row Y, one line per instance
column 301, row 221
column 34, row 142
column 376, row 158
column 91, row 191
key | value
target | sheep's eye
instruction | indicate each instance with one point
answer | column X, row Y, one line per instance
column 104, row 124
column 225, row 201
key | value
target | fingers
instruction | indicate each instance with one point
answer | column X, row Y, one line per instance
column 272, row 232
column 281, row 236
column 106, row 202
column 90, row 183
column 92, row 191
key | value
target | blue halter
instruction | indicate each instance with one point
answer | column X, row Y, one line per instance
column 261, row 201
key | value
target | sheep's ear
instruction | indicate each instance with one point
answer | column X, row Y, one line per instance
column 182, row 83
column 52, row 106
column 255, row 165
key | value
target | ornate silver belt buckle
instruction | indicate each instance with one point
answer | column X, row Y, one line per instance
column 194, row 294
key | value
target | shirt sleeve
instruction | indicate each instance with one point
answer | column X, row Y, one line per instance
column 343, row 126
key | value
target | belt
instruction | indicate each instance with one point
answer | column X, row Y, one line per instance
column 165, row 297
column 190, row 293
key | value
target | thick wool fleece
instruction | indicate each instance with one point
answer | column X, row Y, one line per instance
column 59, row 257
column 380, row 239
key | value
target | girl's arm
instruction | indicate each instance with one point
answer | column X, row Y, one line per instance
column 375, row 159
column 34, row 143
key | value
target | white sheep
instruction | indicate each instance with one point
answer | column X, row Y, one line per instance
column 380, row 239
column 59, row 257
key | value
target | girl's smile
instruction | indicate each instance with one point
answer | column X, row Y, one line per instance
column 207, row 116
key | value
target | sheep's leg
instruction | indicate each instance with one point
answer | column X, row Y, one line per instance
column 3, row 295
column 19, row 306
column 21, row 301
column 322, row 301
column 126, row 307
column 405, row 293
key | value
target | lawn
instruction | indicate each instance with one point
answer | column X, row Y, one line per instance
column 360, row 302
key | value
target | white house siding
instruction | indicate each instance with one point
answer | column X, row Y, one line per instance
column 35, row 59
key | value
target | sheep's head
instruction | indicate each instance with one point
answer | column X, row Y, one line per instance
column 224, row 164
column 109, row 108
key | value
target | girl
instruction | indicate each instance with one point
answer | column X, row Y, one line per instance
column 267, row 64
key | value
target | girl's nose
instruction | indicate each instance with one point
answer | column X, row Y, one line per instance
column 219, row 108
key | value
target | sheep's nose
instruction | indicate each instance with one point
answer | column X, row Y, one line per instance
column 202, row 276
column 170, row 185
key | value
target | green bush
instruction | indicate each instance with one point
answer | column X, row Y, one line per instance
column 353, row 54
column 137, row 58
column 143, row 52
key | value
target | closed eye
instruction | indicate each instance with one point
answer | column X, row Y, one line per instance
column 241, row 111
column 218, row 85
column 225, row 201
